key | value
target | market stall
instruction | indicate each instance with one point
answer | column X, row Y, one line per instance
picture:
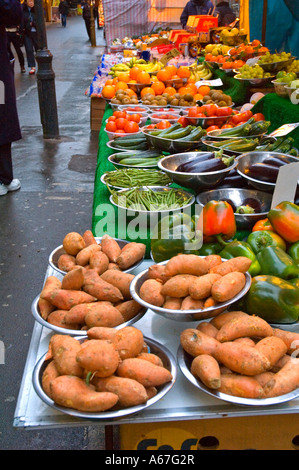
column 186, row 284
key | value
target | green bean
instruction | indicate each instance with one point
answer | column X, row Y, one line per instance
column 148, row 199
column 130, row 177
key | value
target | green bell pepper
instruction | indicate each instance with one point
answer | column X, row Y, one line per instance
column 273, row 299
column 210, row 249
column 293, row 251
column 276, row 262
column 263, row 238
column 240, row 248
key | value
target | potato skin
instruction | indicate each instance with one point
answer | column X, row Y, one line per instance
column 72, row 243
column 148, row 374
column 129, row 391
column 128, row 341
column 98, row 356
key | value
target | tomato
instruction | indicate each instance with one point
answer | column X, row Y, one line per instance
column 111, row 126
column 194, row 111
column 131, row 127
column 120, row 131
column 120, row 114
column 258, row 117
column 224, row 111
column 151, row 126
column 209, row 122
column 227, row 126
column 163, row 125
column 134, row 117
column 209, row 109
column 240, row 123
column 212, row 128
column 111, row 118
column 121, row 122
column 241, row 117
column 183, row 121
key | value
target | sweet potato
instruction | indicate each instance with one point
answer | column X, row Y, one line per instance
column 213, row 260
column 281, row 362
column 66, row 262
column 242, row 359
column 88, row 238
column 221, row 319
column 151, row 357
column 206, row 368
column 72, row 243
column 51, row 285
column 157, row 271
column 114, row 266
column 209, row 302
column 173, row 303
column 65, row 299
column 129, row 391
column 73, row 392
column 241, row 386
column 242, row 326
column 99, row 261
column 50, row 373
column 83, row 256
column 103, row 313
column 111, row 248
column 284, row 381
column 73, row 280
column 97, row 287
column 207, row 328
column 151, row 392
column 194, row 342
column 77, row 313
column 44, row 308
column 264, row 377
column 186, row 264
column 191, row 304
column 101, row 332
column 247, row 341
column 130, row 255
column 290, row 338
column 99, row 356
column 63, row 349
column 272, row 347
column 200, row 288
column 128, row 341
column 148, row 374
column 151, row 292
column 120, row 280
column 228, row 286
column 129, row 309
column 239, row 264
column 57, row 318
column 178, row 285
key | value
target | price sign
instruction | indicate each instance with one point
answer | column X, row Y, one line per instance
column 286, row 184
column 217, row 82
column 169, row 55
column 284, row 130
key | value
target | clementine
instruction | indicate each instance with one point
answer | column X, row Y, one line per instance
column 203, row 90
column 108, row 91
column 146, row 90
column 143, row 77
column 171, row 69
column 121, row 86
column 197, row 97
column 124, row 77
column 163, row 75
column 158, row 87
column 134, row 72
column 170, row 90
column 183, row 72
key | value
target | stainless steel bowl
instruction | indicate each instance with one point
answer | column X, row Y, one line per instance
column 183, row 315
column 154, row 347
column 111, row 145
column 66, row 331
column 138, row 87
column 196, row 181
column 184, row 361
column 205, row 122
column 254, row 81
column 240, row 197
column 117, row 165
column 246, row 159
column 217, row 134
column 275, row 67
column 168, row 145
column 54, row 256
column 102, row 179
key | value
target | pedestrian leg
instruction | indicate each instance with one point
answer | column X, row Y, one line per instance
column 6, row 170
column 16, row 42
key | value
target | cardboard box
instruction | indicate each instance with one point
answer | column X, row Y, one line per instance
column 202, row 23
column 97, row 109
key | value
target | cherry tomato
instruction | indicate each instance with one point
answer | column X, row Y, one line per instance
column 258, row 117
column 224, row 111
column 183, row 121
column 151, row 126
column 212, row 128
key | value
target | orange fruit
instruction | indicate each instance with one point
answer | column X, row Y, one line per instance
column 146, row 90
column 134, row 72
column 170, row 90
column 109, row 81
column 163, row 75
column 183, row 72
column 131, row 92
column 171, row 69
column 198, row 97
column 115, row 80
column 203, row 90
column 143, row 77
column 121, row 86
column 124, row 77
column 184, row 90
column 108, row 91
column 158, row 87
column 192, row 86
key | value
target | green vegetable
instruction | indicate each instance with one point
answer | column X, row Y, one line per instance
column 259, row 127
column 127, row 178
column 262, row 238
column 276, row 262
column 241, row 248
column 194, row 135
column 210, row 249
column 293, row 251
column 179, row 133
column 239, row 131
column 273, row 299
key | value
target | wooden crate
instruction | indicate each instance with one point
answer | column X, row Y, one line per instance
column 97, row 109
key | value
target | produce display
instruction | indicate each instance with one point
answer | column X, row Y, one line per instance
column 127, row 178
column 253, row 71
column 272, row 58
column 137, row 158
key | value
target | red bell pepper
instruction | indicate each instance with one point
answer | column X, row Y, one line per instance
column 263, row 224
column 284, row 219
column 218, row 221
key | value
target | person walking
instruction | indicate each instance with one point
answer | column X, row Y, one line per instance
column 10, row 16
column 86, row 16
column 14, row 39
column 196, row 7
column 226, row 15
column 63, row 10
column 30, row 34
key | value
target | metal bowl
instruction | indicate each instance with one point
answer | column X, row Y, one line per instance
column 209, row 145
column 274, row 67
column 244, row 160
column 126, row 107
column 240, row 197
column 128, row 187
column 175, row 82
column 196, row 181
column 169, row 145
column 114, row 413
column 254, row 81
column 153, row 213
column 217, row 134
column 115, row 135
column 205, row 122
column 184, row 361
column 118, row 165
column 183, row 315
column 138, row 87
column 279, row 88
column 54, row 256
column 111, row 145
column 66, row 331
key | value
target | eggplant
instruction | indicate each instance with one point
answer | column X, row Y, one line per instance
column 233, row 181
column 254, row 203
column 185, row 167
column 275, row 161
column 263, row 172
column 215, row 164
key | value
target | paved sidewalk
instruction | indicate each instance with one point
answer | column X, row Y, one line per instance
column 56, row 197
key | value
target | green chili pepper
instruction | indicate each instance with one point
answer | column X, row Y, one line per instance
column 263, row 238
column 240, row 248
column 276, row 262
column 273, row 299
column 293, row 251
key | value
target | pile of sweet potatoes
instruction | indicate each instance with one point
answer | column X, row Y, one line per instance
column 191, row 282
column 108, row 369
column 242, row 355
column 85, row 250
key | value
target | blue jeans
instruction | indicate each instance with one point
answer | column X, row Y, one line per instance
column 63, row 20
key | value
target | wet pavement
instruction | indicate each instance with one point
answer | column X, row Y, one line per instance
column 56, row 196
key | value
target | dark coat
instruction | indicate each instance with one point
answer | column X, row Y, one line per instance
column 225, row 14
column 63, row 7
column 10, row 16
column 29, row 19
column 195, row 8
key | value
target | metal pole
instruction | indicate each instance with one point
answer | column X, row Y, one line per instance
column 92, row 26
column 264, row 23
column 45, row 78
